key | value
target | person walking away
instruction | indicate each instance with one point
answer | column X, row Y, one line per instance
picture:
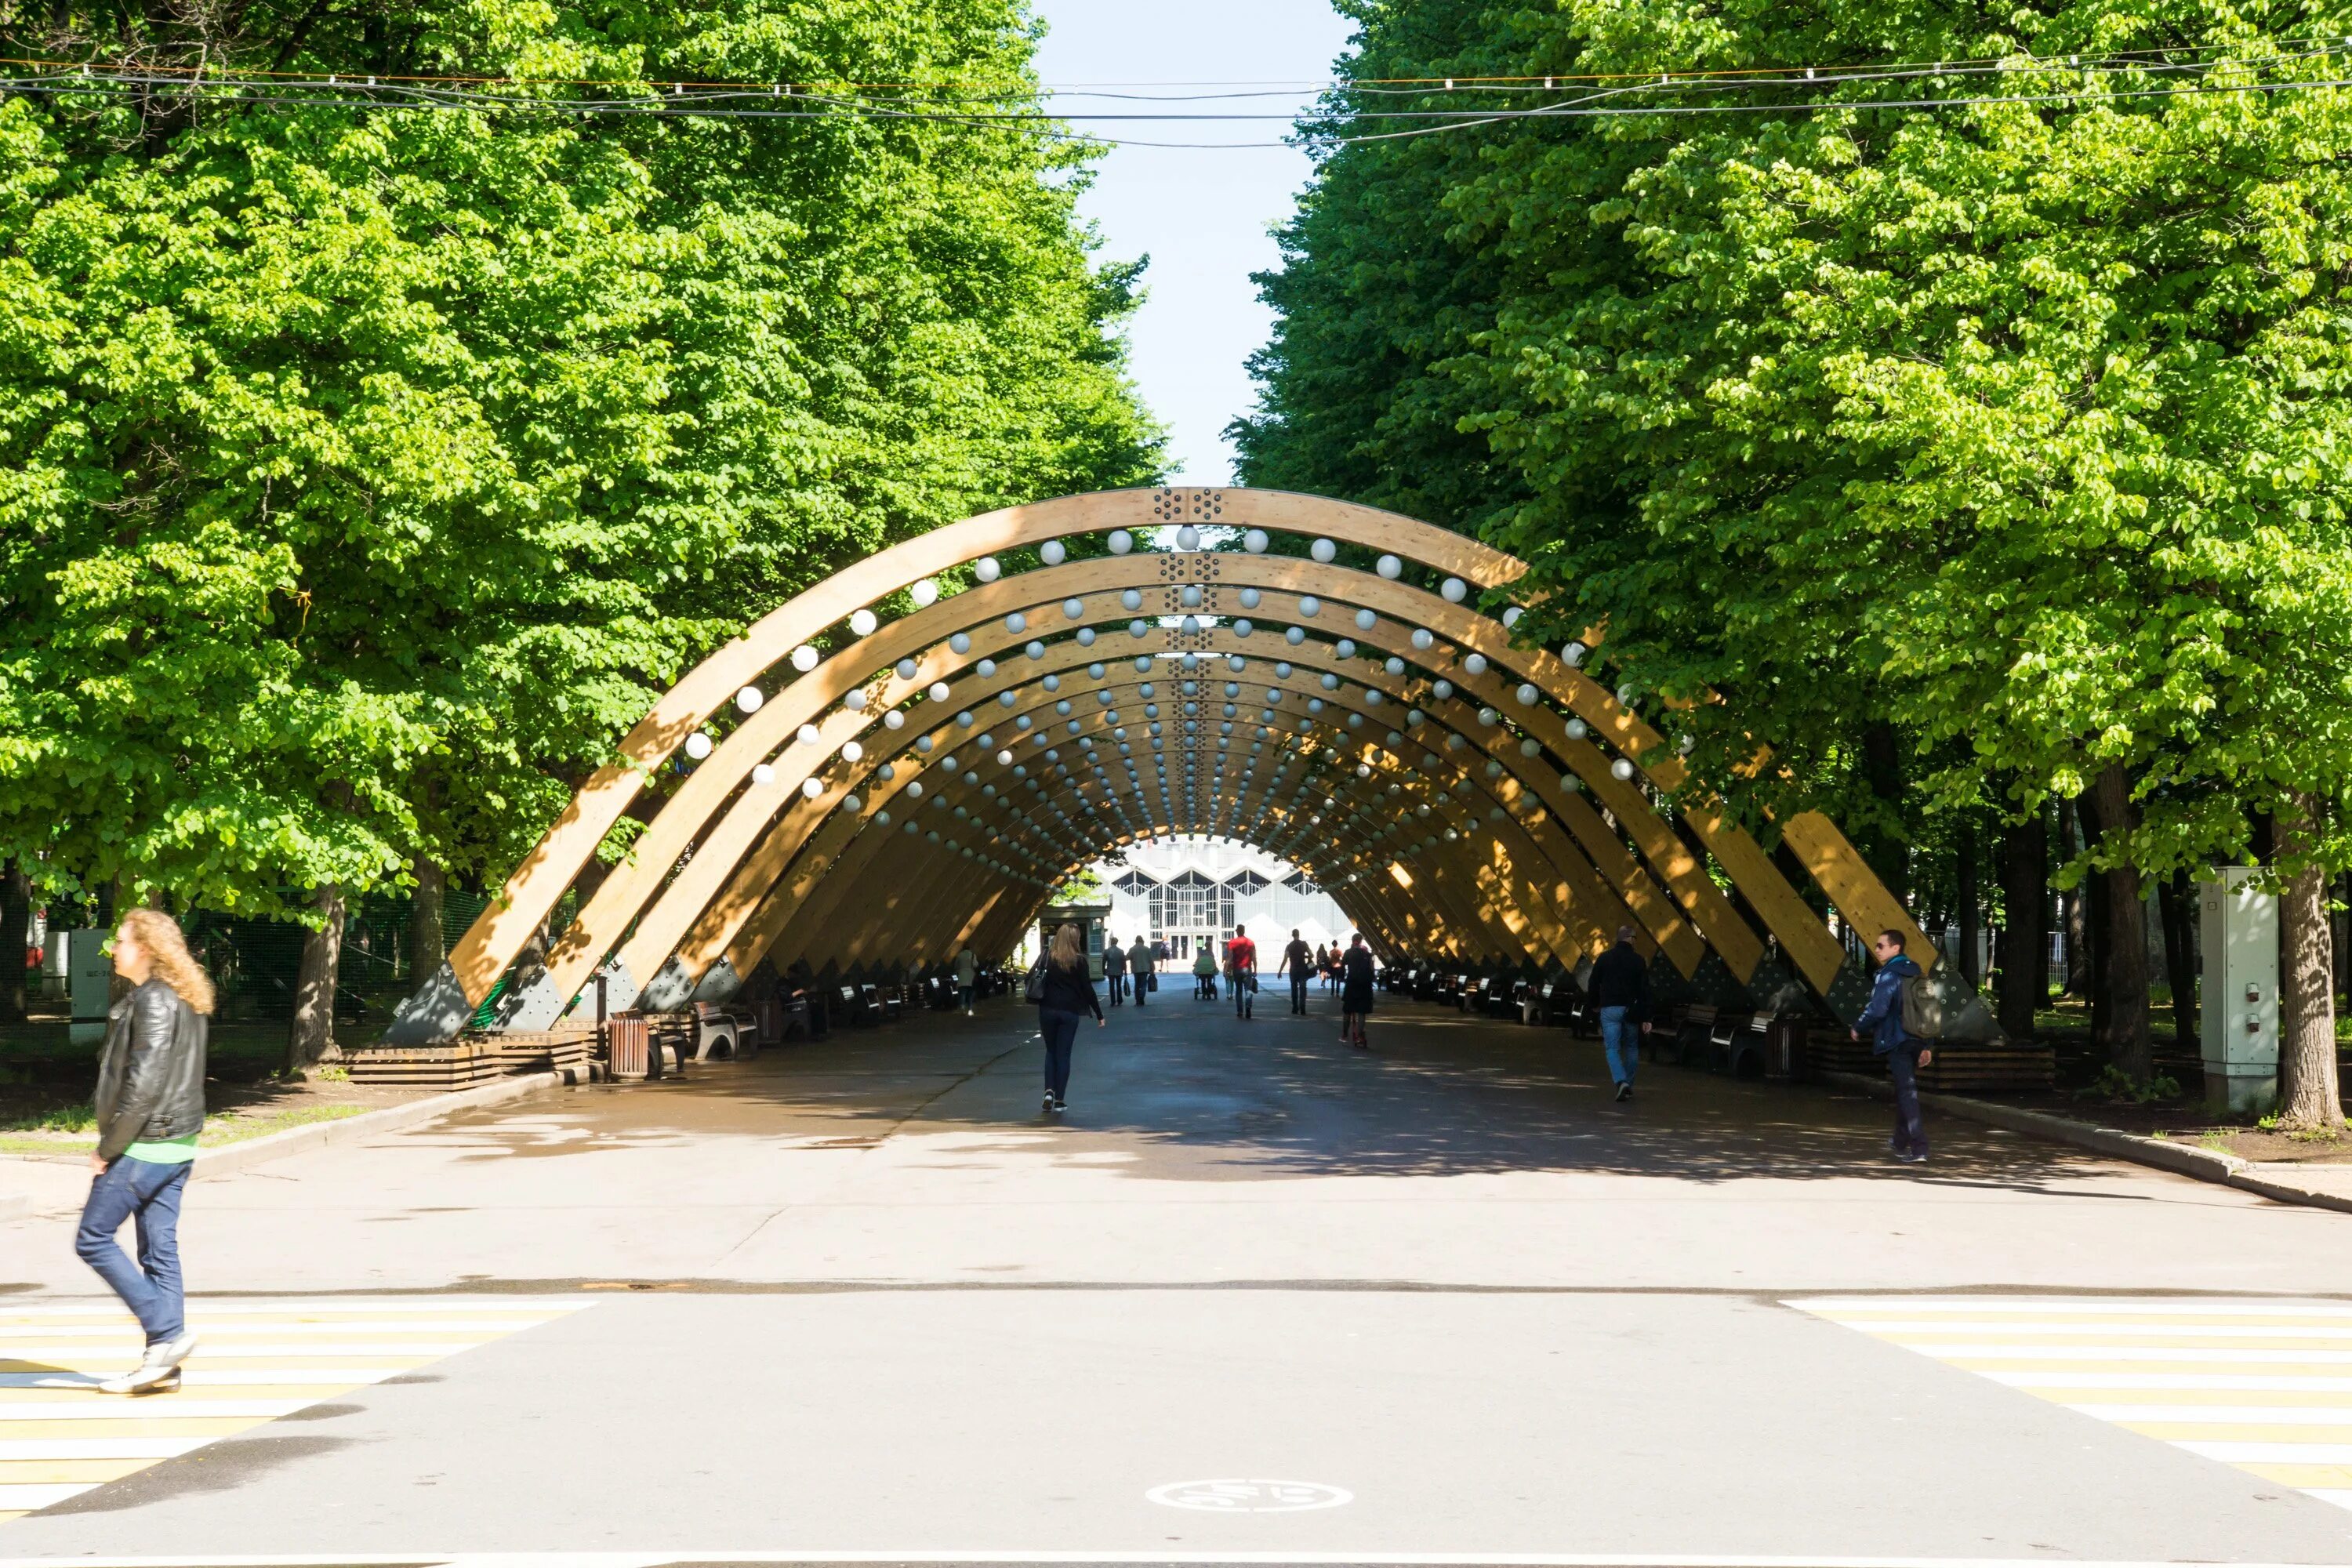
column 1355, row 992
column 1241, row 963
column 1905, row 1052
column 1295, row 959
column 967, row 973
column 150, row 1106
column 1204, row 971
column 1142, row 964
column 1621, row 991
column 1114, row 970
column 1069, row 994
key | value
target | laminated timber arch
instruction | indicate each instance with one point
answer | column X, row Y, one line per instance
column 1460, row 796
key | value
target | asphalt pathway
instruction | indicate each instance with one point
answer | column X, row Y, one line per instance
column 1253, row 1294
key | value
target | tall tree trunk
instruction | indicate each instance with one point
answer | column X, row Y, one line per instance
column 2076, row 981
column 2339, row 932
column 312, row 1038
column 2175, row 899
column 2308, row 1094
column 428, row 942
column 2123, row 935
column 1964, row 882
column 2024, row 943
column 1887, row 850
column 16, row 928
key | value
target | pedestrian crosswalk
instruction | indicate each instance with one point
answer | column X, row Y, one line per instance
column 258, row 1359
column 2261, row 1382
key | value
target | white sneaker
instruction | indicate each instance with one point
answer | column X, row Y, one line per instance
column 161, row 1361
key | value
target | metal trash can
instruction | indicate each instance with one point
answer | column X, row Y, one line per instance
column 1784, row 1049
column 626, row 1038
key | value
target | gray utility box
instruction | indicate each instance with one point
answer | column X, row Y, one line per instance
column 89, row 981
column 2238, row 1012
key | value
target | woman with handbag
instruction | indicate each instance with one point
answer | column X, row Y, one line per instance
column 1063, row 991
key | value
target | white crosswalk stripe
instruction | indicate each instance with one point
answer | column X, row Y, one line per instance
column 258, row 1360
column 2257, row 1382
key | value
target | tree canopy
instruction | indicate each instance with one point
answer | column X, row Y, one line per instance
column 2010, row 425
column 365, row 471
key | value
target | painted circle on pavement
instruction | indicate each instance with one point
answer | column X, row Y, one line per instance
column 1249, row 1497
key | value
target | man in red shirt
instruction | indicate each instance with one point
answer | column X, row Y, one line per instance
column 1240, row 964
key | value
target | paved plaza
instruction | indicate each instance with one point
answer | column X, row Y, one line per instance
column 1253, row 1294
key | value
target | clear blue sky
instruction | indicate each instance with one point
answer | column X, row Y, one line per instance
column 1200, row 215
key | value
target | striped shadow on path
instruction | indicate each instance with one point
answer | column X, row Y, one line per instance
column 2259, row 1383
column 258, row 1359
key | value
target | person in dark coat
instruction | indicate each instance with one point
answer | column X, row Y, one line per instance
column 1114, row 970
column 1621, row 991
column 1069, row 995
column 1355, row 992
column 150, row 1106
column 1905, row 1052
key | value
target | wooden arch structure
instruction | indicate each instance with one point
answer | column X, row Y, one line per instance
column 931, row 780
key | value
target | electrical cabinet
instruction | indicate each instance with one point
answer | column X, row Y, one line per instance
column 2238, row 1012
column 90, row 982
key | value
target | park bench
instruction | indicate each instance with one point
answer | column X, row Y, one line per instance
column 1498, row 995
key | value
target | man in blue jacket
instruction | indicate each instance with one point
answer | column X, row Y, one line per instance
column 1904, row 1053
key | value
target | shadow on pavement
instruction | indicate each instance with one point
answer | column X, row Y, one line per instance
column 1190, row 1093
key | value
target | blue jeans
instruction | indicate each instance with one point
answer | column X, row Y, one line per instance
column 1910, row 1127
column 1621, row 1037
column 152, row 1290
column 1060, row 1029
column 965, row 993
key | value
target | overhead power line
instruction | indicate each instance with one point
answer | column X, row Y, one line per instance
column 1327, row 117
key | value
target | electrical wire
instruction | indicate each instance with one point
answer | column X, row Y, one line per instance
column 1322, row 125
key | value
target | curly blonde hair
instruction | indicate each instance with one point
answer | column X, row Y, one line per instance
column 167, row 950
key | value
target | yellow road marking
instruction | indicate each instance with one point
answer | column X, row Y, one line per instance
column 284, row 1356
column 2119, row 1359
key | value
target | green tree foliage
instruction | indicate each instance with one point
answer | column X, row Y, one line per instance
column 364, row 472
column 2014, row 430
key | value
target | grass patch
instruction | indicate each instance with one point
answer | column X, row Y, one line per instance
column 72, row 1130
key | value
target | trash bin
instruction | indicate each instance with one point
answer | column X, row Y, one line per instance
column 627, row 1037
column 1784, row 1049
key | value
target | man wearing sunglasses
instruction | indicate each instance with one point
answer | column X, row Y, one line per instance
column 1905, row 1052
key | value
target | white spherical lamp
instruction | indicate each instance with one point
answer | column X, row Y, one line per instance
column 697, row 745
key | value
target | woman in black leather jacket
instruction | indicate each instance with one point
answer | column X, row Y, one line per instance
column 151, row 1106
column 1069, row 992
